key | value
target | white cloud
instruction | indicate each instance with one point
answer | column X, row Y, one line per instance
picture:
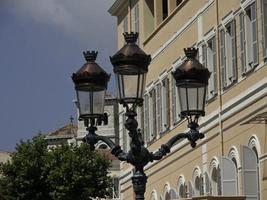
column 80, row 19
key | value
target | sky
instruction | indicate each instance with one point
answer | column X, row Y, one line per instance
column 41, row 45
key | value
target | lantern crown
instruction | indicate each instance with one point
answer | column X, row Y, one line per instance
column 130, row 37
column 191, row 69
column 130, row 59
column 90, row 74
column 90, row 56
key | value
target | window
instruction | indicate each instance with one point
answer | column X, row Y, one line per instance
column 164, row 9
column 228, row 54
column 249, row 171
column 215, row 181
column 125, row 136
column 158, row 107
column 148, row 17
column 209, row 61
column 248, row 39
column 175, row 104
column 198, row 183
column 181, row 187
column 228, row 177
column 125, row 24
column 150, row 115
column 136, row 20
column 264, row 28
column 165, row 105
column 153, row 196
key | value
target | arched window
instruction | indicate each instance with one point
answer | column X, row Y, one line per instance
column 191, row 191
column 197, row 182
column 215, row 177
column 181, row 187
column 250, row 166
column 206, row 183
column 153, row 195
column 103, row 146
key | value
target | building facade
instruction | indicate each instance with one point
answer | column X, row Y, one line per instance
column 231, row 36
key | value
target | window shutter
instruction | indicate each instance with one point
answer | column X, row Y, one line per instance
column 233, row 75
column 254, row 33
column 190, row 189
column 242, row 44
column 146, row 113
column 167, row 104
column 158, row 104
column 204, row 55
column 154, row 118
column 264, row 18
column 125, row 24
column 174, row 114
column 214, row 59
column 228, row 177
column 223, row 59
column 207, row 183
column 136, row 20
column 249, row 173
column 124, row 133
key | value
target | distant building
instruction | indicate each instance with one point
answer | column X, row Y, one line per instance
column 4, row 156
column 64, row 135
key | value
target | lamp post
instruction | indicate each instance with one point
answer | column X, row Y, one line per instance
column 130, row 67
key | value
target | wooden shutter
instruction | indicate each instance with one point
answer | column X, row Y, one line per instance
column 146, row 118
column 190, row 189
column 249, row 173
column 154, row 115
column 264, row 18
column 228, row 177
column 214, row 63
column 174, row 114
column 242, row 44
column 207, row 183
column 125, row 24
column 254, row 33
column 233, row 75
column 124, row 133
column 167, row 103
column 158, row 107
column 223, row 59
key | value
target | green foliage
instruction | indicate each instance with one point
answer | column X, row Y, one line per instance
column 65, row 172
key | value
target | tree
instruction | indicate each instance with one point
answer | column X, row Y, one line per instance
column 65, row 172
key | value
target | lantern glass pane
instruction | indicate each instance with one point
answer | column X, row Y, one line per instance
column 91, row 102
column 182, row 98
column 192, row 97
column 84, row 102
column 130, row 87
column 98, row 102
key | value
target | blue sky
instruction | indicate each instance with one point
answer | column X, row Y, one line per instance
column 41, row 44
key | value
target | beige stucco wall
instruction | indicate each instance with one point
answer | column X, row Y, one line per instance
column 228, row 130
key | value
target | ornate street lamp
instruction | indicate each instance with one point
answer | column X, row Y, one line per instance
column 130, row 67
column 90, row 85
column 192, row 81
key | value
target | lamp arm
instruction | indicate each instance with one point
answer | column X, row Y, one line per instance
column 192, row 135
column 116, row 149
column 166, row 148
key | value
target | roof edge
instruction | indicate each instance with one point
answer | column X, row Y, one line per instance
column 115, row 7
